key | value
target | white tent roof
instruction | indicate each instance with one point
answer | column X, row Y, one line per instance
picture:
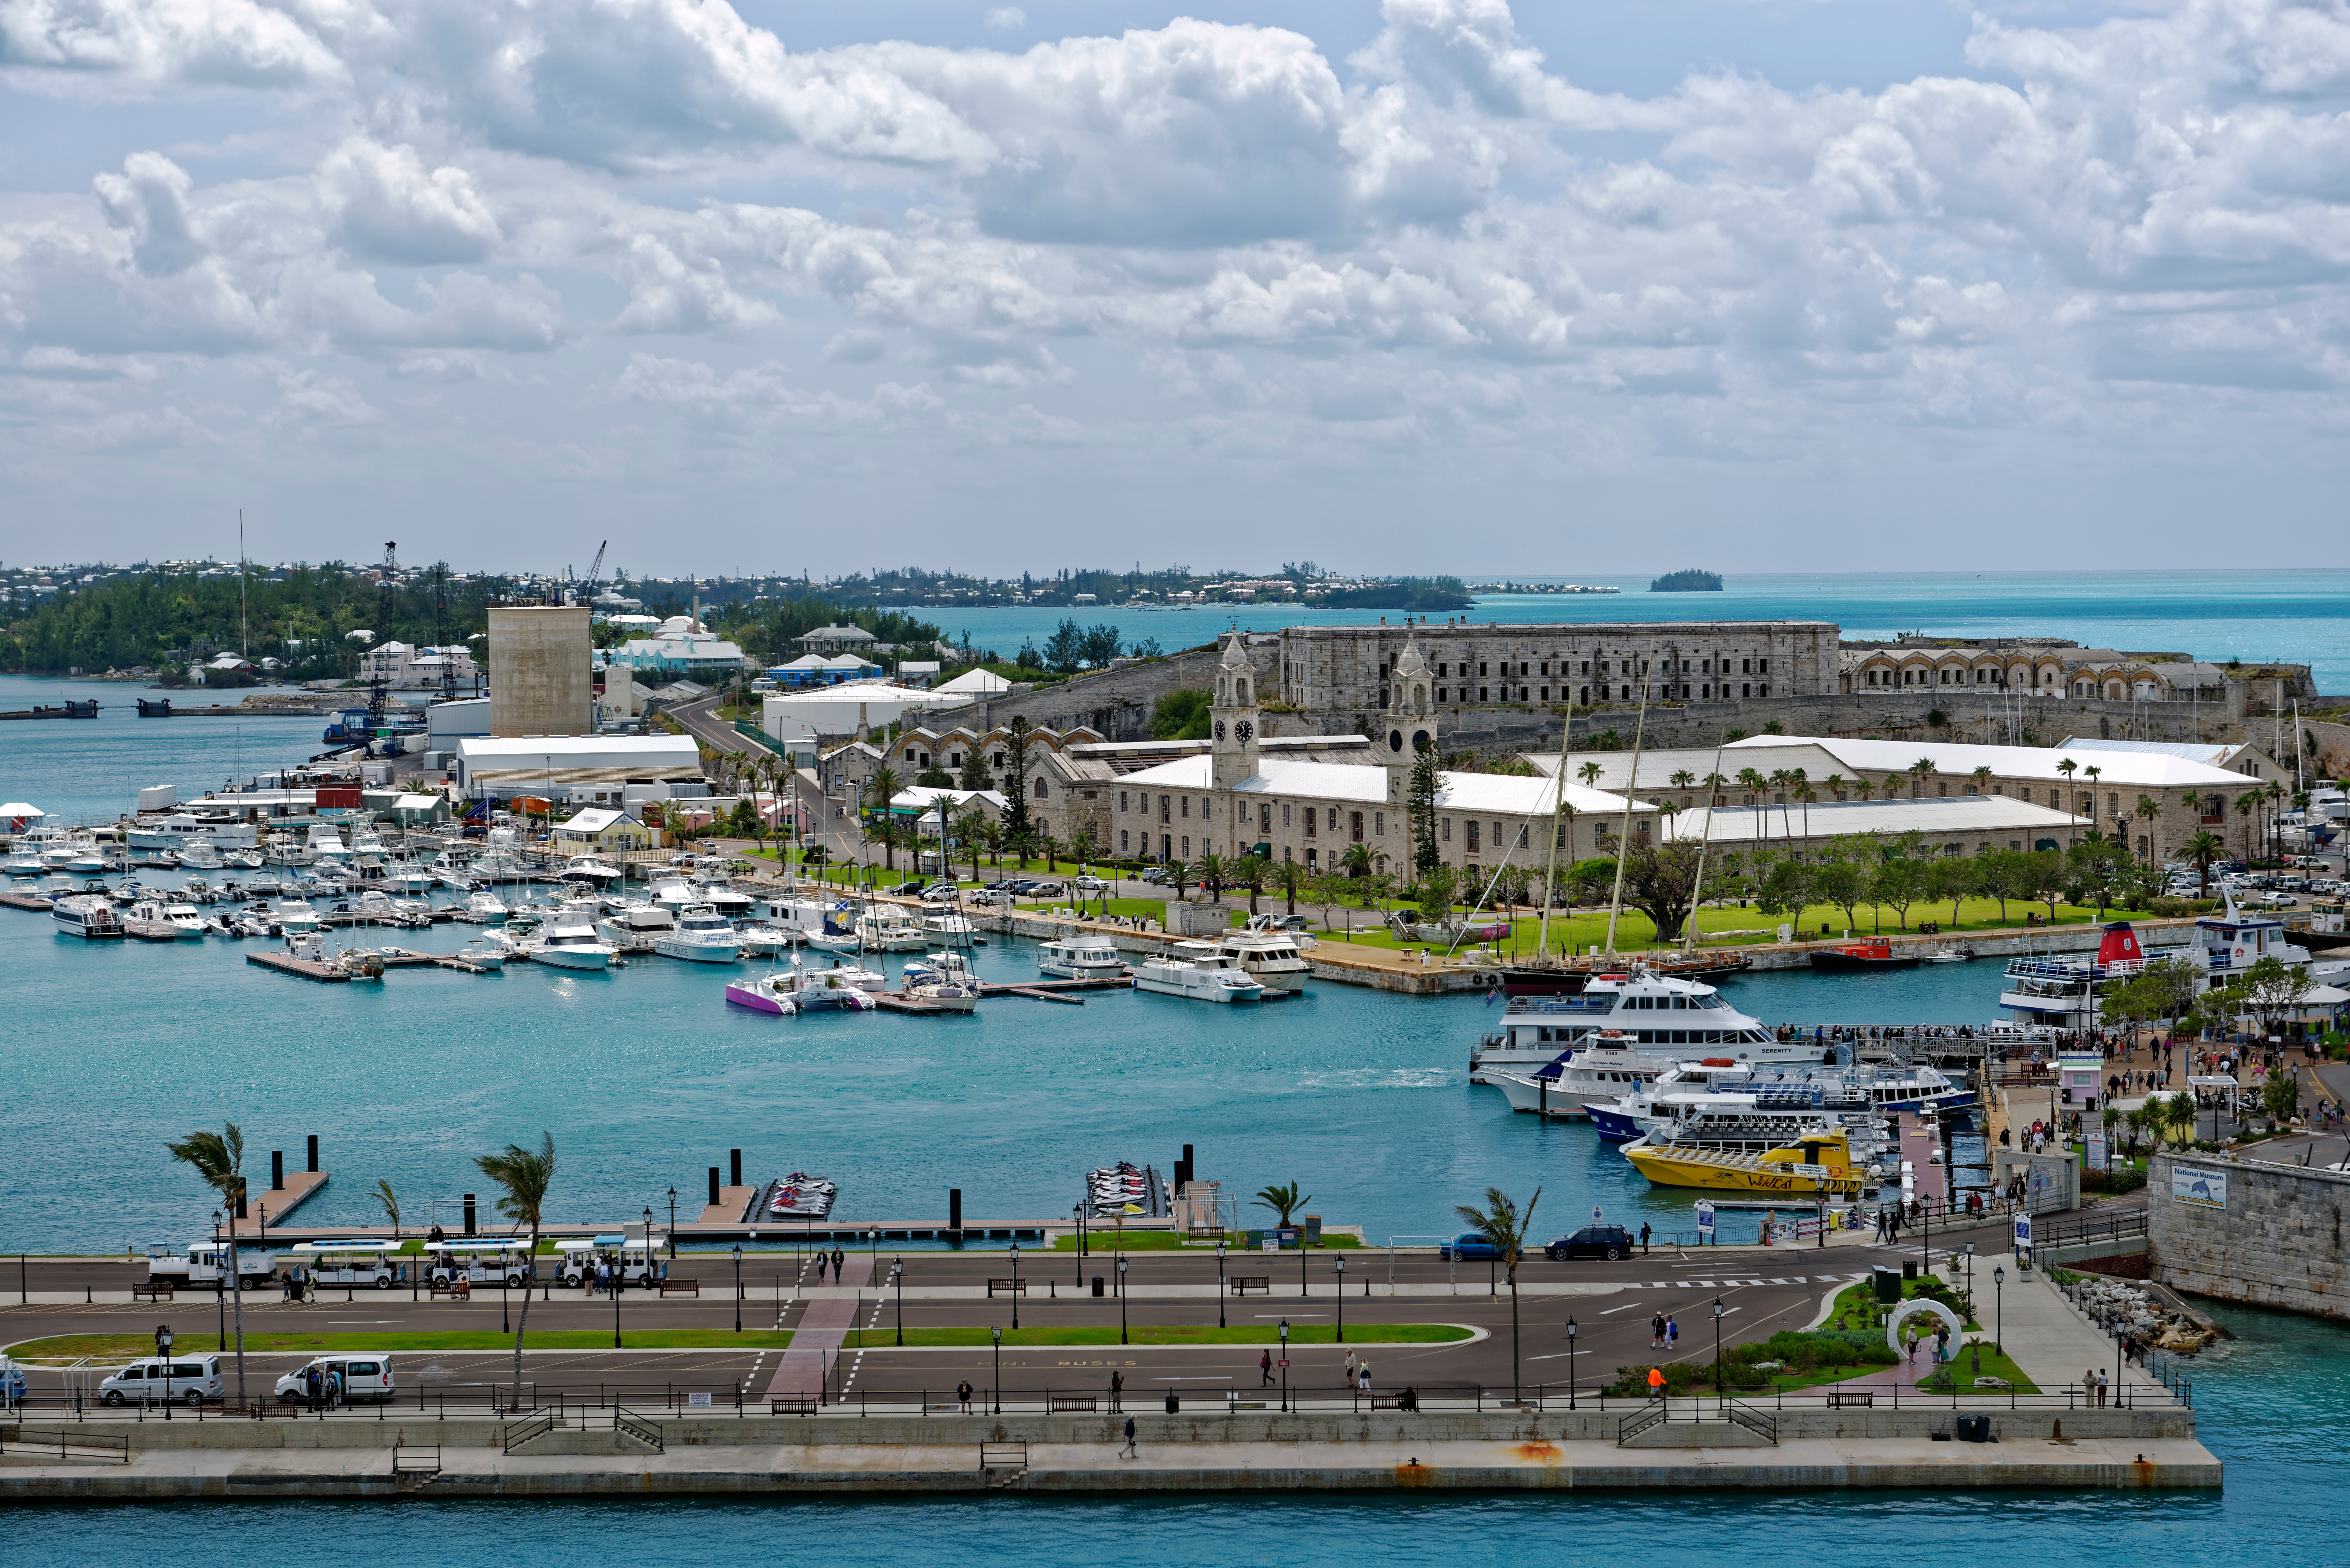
column 977, row 682
column 17, row 808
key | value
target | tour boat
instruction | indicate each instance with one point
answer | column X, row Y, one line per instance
column 1202, row 980
column 1717, row 1081
column 1271, row 957
column 86, row 917
column 1659, row 1017
column 1874, row 953
column 1087, row 957
column 1819, row 1163
column 702, row 935
column 1568, row 975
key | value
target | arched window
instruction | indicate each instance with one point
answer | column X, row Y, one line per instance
column 1040, row 789
column 1243, row 689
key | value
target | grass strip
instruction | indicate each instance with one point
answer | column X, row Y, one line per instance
column 125, row 1346
column 1103, row 1238
column 1170, row 1334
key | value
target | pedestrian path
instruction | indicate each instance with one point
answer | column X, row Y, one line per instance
column 815, row 1346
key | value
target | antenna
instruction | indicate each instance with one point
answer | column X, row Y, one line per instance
column 376, row 684
column 243, row 642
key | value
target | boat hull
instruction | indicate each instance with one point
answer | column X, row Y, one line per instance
column 572, row 958
column 1850, row 963
column 739, row 994
column 697, row 952
column 1673, row 1170
column 1219, row 994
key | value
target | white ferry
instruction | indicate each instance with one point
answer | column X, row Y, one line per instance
column 2069, row 994
column 702, row 935
column 1717, row 1080
column 1089, row 957
column 1658, row 1018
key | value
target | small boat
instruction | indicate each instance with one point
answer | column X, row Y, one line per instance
column 486, row 908
column 632, row 927
column 1087, row 957
column 1876, row 953
column 763, row 940
column 801, row 1195
column 702, row 935
column 1814, row 1164
column 293, row 916
column 776, row 994
column 572, row 943
column 483, row 953
column 186, row 920
column 586, row 869
column 1949, row 955
column 1198, row 981
column 945, row 982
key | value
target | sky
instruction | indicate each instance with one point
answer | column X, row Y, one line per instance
column 1426, row 285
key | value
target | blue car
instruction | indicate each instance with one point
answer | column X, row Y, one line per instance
column 1469, row 1246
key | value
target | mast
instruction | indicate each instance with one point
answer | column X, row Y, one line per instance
column 244, row 577
column 1697, row 886
column 1624, row 839
column 1557, row 809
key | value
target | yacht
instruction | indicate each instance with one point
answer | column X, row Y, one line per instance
column 182, row 828
column 408, row 878
column 87, row 859
column 1682, row 1088
column 1087, row 957
column 1202, row 978
column 632, row 927
column 854, row 976
column 891, row 928
column 484, row 953
column 201, row 853
column 798, row 990
column 719, row 893
column 325, row 838
column 24, row 860
column 2068, row 993
column 1605, row 1067
column 486, row 907
column 184, row 918
column 671, row 889
column 589, row 869
column 572, row 943
column 295, row 916
column 702, row 935
column 801, row 917
column 1272, row 957
column 944, row 925
column 763, row 940
column 1656, row 1016
column 85, row 917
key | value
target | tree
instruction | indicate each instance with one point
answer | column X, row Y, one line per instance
column 1420, row 810
column 219, row 1158
column 2003, row 878
column 1902, row 878
column 881, row 789
column 2043, row 874
column 1356, row 861
column 522, row 1177
column 389, row 1202
column 1956, row 877
column 2148, row 809
column 1292, row 877
column 1283, row 1202
column 1435, row 892
column 1781, row 884
column 1177, row 874
column 1050, row 848
column 1250, row 872
column 974, row 775
column 1661, row 880
column 2268, row 993
column 1326, row 891
column 2096, row 863
column 2179, row 1116
column 991, row 832
column 1505, row 1229
column 2280, row 1094
column 2248, row 802
column 1181, row 716
column 1015, row 774
column 1841, row 874
column 2164, row 989
column 971, row 831
column 1065, row 650
column 1212, row 873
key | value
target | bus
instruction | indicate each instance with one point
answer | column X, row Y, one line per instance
column 370, row 1263
column 638, row 1258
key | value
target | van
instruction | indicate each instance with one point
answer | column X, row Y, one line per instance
column 366, row 1377
column 189, row 1380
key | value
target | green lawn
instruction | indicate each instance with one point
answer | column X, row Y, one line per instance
column 1170, row 1334
column 111, row 1346
column 1102, row 1240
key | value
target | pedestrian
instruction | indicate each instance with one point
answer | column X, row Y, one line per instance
column 1672, row 1334
column 1882, row 1234
column 838, row 1258
column 1910, row 1346
column 1117, row 1395
column 1363, row 1376
column 1129, row 1451
column 1350, row 1367
column 1657, row 1332
column 1644, row 1240
column 2101, row 1390
column 1655, row 1382
column 1264, row 1370
column 962, row 1396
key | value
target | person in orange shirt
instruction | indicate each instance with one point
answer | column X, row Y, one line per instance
column 1655, row 1382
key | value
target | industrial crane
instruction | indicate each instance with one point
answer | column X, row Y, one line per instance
column 376, row 684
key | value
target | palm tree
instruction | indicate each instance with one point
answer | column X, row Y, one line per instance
column 991, row 834
column 1213, row 872
column 1283, row 1200
column 1683, row 779
column 2204, row 848
column 1356, row 861
column 1050, row 848
column 1919, row 770
column 2148, row 808
column 218, row 1157
column 1250, row 872
column 1894, row 784
column 389, row 1202
column 522, row 1177
column 1751, row 780
column 882, row 786
column 971, row 829
column 1982, row 777
column 1177, row 874
column 2068, row 767
column 1834, row 785
column 1863, row 788
column 2275, row 792
column 1502, row 1224
column 2093, row 773
column 1589, row 774
column 1291, row 875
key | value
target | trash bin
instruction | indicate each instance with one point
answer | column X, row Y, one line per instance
column 1174, row 1402
column 1909, row 1268
column 1888, row 1284
column 1097, row 1285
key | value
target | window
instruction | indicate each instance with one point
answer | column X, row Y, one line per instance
column 1121, row 800
column 1121, row 841
column 1442, row 669
column 1310, row 853
column 1439, row 695
column 1471, row 827
column 1285, row 853
column 1187, row 847
column 1603, row 667
column 1447, row 826
column 1041, row 791
column 1309, row 822
column 1481, row 667
column 1378, row 825
column 1284, row 814
column 1586, row 667
column 1187, row 805
column 1762, row 666
column 1481, row 694
column 1264, row 816
column 1355, row 826
column 1166, row 808
column 1763, row 689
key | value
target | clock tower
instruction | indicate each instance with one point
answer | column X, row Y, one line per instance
column 1411, row 721
column 1235, row 724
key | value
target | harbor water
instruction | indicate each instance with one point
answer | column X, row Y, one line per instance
column 2265, row 1400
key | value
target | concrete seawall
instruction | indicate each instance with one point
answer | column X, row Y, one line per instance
column 2250, row 1230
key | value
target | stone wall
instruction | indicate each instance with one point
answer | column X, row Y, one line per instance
column 2274, row 1237
column 1115, row 703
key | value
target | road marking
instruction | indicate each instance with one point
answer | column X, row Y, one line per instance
column 1627, row 1306
column 339, row 1321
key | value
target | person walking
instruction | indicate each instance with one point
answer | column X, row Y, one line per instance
column 1672, row 1334
column 1657, row 1332
column 1655, row 1382
column 1129, row 1451
column 1644, row 1240
column 1350, row 1366
column 1264, row 1370
column 2102, row 1385
column 1363, row 1376
column 838, row 1258
column 962, row 1396
column 1117, row 1395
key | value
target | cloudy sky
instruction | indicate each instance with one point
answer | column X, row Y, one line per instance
column 1434, row 284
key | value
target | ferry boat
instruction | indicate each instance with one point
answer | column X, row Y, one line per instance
column 1087, row 957
column 1271, row 957
column 1817, row 1164
column 1660, row 1016
column 1604, row 1067
column 1200, row 978
column 87, row 917
column 1864, row 956
column 1671, row 1098
column 2067, row 993
column 1733, row 1127
column 701, row 936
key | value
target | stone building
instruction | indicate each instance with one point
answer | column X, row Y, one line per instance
column 1242, row 796
column 2096, row 672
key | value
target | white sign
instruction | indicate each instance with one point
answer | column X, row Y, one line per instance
column 1704, row 1217
column 2022, row 1232
column 2203, row 1189
column 2097, row 1160
column 697, row 1401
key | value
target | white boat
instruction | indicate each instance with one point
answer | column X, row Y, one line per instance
column 1272, row 957
column 186, row 920
column 484, row 953
column 848, row 974
column 201, row 853
column 177, row 831
column 325, row 838
column 671, row 889
column 572, row 943
column 87, row 859
column 408, row 878
column 794, row 991
column 1686, row 1086
column 85, row 917
column 632, row 927
column 295, row 916
column 1198, row 980
column 24, row 860
column 945, row 982
column 763, row 940
column 702, row 935
column 486, row 907
column 1090, row 956
column 721, row 896
column 1661, row 1018
column 589, row 869
column 891, row 928
column 803, row 918
column 948, row 928
column 243, row 859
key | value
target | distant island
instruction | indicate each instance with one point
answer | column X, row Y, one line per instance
column 1689, row 582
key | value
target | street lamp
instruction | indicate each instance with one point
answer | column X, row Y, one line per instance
column 220, row 1291
column 1999, row 1299
column 1219, row 1284
column 738, row 1287
column 898, row 1278
column 1079, row 1215
column 1016, row 1284
column 995, row 1394
column 1570, row 1364
column 1340, row 1263
column 1121, row 1301
column 1284, row 1363
column 1717, row 1345
column 672, row 1222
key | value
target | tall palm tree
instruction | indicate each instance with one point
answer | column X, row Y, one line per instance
column 1800, row 788
column 1249, row 871
column 2275, row 792
column 1683, row 779
column 2246, row 803
column 1212, row 871
column 1981, row 777
column 971, row 829
column 1921, row 770
column 1751, row 780
column 1291, row 875
column 2068, row 767
column 219, row 1158
column 2148, row 808
column 1834, row 785
column 522, row 1177
column 1050, row 848
column 2093, row 773
column 1863, row 788
column 2203, row 848
column 1506, row 1227
column 881, row 789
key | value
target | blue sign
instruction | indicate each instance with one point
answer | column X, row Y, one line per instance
column 1704, row 1217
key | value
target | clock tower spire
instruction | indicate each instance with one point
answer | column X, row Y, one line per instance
column 1235, row 723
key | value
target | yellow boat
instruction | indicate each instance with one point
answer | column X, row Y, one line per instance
column 1805, row 1167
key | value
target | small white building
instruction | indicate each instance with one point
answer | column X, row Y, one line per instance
column 601, row 831
column 920, row 805
column 645, row 767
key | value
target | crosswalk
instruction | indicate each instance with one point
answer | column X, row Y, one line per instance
column 1733, row 1284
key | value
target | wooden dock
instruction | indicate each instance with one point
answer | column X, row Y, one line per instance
column 19, row 901
column 300, row 1186
column 324, row 973
column 1030, row 991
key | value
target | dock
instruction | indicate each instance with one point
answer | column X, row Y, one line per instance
column 19, row 901
column 152, row 931
column 307, row 969
column 1039, row 995
column 300, row 1186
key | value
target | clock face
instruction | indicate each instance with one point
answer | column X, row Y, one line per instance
column 1394, row 740
column 1243, row 729
column 1220, row 729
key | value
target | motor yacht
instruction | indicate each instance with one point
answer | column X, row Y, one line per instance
column 671, row 889
column 761, row 940
column 87, row 859
column 483, row 952
column 702, row 935
column 572, row 943
column 486, row 907
column 944, row 925
column 891, row 928
column 87, row 917
column 295, row 916
column 589, row 869
column 186, row 920
column 1090, row 956
column 24, row 860
column 1273, row 958
column 632, row 927
column 1200, row 978
column 1661, row 1018
column 721, row 895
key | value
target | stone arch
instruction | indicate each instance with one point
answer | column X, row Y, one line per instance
column 1919, row 1304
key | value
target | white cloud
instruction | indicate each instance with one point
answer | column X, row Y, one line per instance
column 1006, row 18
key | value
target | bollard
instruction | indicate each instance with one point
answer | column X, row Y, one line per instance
column 277, row 1167
column 734, row 1166
column 714, row 1187
column 314, row 1151
column 954, row 1213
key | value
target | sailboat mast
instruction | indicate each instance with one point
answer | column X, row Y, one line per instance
column 1624, row 839
column 243, row 577
column 1697, row 886
column 1558, row 808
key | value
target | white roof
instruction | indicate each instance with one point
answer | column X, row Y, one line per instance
column 594, row 820
column 848, row 661
column 978, row 683
column 2136, row 769
column 1936, row 818
column 1510, row 795
column 1659, row 767
column 573, row 752
column 926, row 797
column 804, row 661
column 2212, row 754
column 21, row 808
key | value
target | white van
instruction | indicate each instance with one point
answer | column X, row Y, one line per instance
column 482, row 1263
column 640, row 1263
column 190, row 1380
column 366, row 1377
column 367, row 1263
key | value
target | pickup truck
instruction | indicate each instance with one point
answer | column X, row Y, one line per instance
column 200, row 1266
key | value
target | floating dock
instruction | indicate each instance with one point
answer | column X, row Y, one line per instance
column 307, row 969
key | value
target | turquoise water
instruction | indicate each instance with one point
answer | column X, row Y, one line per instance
column 2299, row 616
column 2269, row 1403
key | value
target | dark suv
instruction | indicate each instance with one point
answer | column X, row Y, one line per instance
column 1608, row 1241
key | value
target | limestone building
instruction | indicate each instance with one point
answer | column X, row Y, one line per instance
column 542, row 670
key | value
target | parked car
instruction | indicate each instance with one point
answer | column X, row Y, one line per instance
column 1156, row 875
column 1608, row 1241
column 367, row 1377
column 908, row 890
column 1090, row 885
column 189, row 1380
column 991, row 897
column 1047, row 889
column 1468, row 1246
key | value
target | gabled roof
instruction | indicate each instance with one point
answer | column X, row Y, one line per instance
column 977, row 682
column 596, row 819
column 2135, row 769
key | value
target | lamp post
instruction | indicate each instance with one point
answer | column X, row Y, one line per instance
column 1717, row 1345
column 1219, row 1284
column 898, row 1278
column 1570, row 1364
column 1016, row 1284
column 1121, row 1301
column 220, row 1291
column 672, row 1222
column 995, row 1393
column 1340, row 1265
column 1079, row 1215
column 1999, row 1299
column 1284, row 1363
column 738, row 1287
column 506, row 1324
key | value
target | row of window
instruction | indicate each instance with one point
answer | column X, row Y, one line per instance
column 1700, row 691
column 1620, row 666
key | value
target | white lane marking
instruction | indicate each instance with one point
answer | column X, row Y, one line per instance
column 1627, row 1306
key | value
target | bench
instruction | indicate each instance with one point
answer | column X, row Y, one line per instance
column 1068, row 1402
column 1849, row 1399
column 792, row 1405
column 680, row 1287
column 463, row 1290
column 1017, row 1287
column 1243, row 1284
column 152, row 1291
column 1387, row 1401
